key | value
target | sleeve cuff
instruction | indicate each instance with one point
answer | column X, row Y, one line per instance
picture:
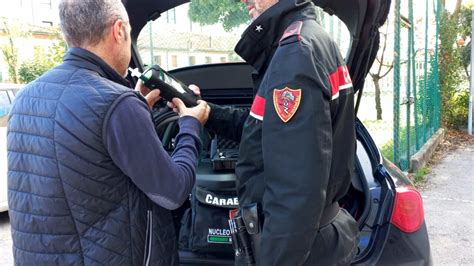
column 189, row 125
column 212, row 113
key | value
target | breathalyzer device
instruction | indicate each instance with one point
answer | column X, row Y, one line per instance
column 157, row 78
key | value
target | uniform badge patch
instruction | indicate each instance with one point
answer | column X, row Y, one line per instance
column 286, row 102
column 293, row 29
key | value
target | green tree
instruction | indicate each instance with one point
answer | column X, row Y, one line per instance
column 465, row 33
column 43, row 60
column 229, row 13
column 13, row 32
column 453, row 62
column 58, row 49
column 382, row 71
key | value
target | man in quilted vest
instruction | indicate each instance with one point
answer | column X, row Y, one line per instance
column 89, row 181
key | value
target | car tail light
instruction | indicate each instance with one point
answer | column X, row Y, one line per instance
column 408, row 212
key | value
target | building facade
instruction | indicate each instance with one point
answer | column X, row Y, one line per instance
column 29, row 24
column 173, row 41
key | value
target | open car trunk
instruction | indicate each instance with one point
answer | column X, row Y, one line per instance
column 368, row 200
column 371, row 194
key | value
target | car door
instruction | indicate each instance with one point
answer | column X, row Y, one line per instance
column 6, row 98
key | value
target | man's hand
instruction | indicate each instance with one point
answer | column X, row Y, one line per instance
column 195, row 89
column 182, row 110
column 151, row 96
column 200, row 112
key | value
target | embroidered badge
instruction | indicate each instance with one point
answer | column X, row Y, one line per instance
column 286, row 102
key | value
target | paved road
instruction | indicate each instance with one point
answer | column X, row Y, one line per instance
column 6, row 256
column 449, row 208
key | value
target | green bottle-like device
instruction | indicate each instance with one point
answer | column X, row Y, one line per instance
column 157, row 78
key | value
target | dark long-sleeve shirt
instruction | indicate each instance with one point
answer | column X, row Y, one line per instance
column 134, row 146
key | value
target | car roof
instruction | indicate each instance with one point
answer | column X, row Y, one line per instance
column 362, row 18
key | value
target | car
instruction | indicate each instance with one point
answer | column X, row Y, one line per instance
column 381, row 198
column 7, row 94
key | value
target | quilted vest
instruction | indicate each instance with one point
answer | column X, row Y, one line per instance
column 69, row 203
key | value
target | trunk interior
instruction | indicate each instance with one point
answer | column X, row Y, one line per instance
column 367, row 199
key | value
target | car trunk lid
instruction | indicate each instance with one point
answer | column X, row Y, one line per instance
column 362, row 18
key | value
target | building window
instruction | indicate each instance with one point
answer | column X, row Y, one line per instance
column 192, row 60
column 46, row 3
column 171, row 16
column 164, row 17
column 223, row 59
column 174, row 61
column 157, row 60
column 208, row 60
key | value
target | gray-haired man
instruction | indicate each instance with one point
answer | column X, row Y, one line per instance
column 89, row 181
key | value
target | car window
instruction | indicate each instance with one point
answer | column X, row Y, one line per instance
column 185, row 36
column 6, row 99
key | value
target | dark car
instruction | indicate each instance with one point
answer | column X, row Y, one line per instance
column 381, row 198
column 7, row 94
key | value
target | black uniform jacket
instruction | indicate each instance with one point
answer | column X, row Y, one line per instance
column 298, row 143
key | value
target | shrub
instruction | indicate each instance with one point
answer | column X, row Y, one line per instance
column 42, row 61
column 453, row 64
column 457, row 113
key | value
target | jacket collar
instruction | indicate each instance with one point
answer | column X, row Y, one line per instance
column 261, row 38
column 83, row 58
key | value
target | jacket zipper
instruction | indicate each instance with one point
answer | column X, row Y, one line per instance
column 148, row 238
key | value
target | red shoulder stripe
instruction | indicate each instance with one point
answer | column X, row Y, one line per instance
column 258, row 108
column 340, row 80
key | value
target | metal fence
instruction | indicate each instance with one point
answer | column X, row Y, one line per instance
column 409, row 95
column 416, row 101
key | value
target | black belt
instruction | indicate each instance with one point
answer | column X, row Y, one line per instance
column 329, row 214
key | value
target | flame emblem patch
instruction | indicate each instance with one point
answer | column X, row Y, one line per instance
column 286, row 102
